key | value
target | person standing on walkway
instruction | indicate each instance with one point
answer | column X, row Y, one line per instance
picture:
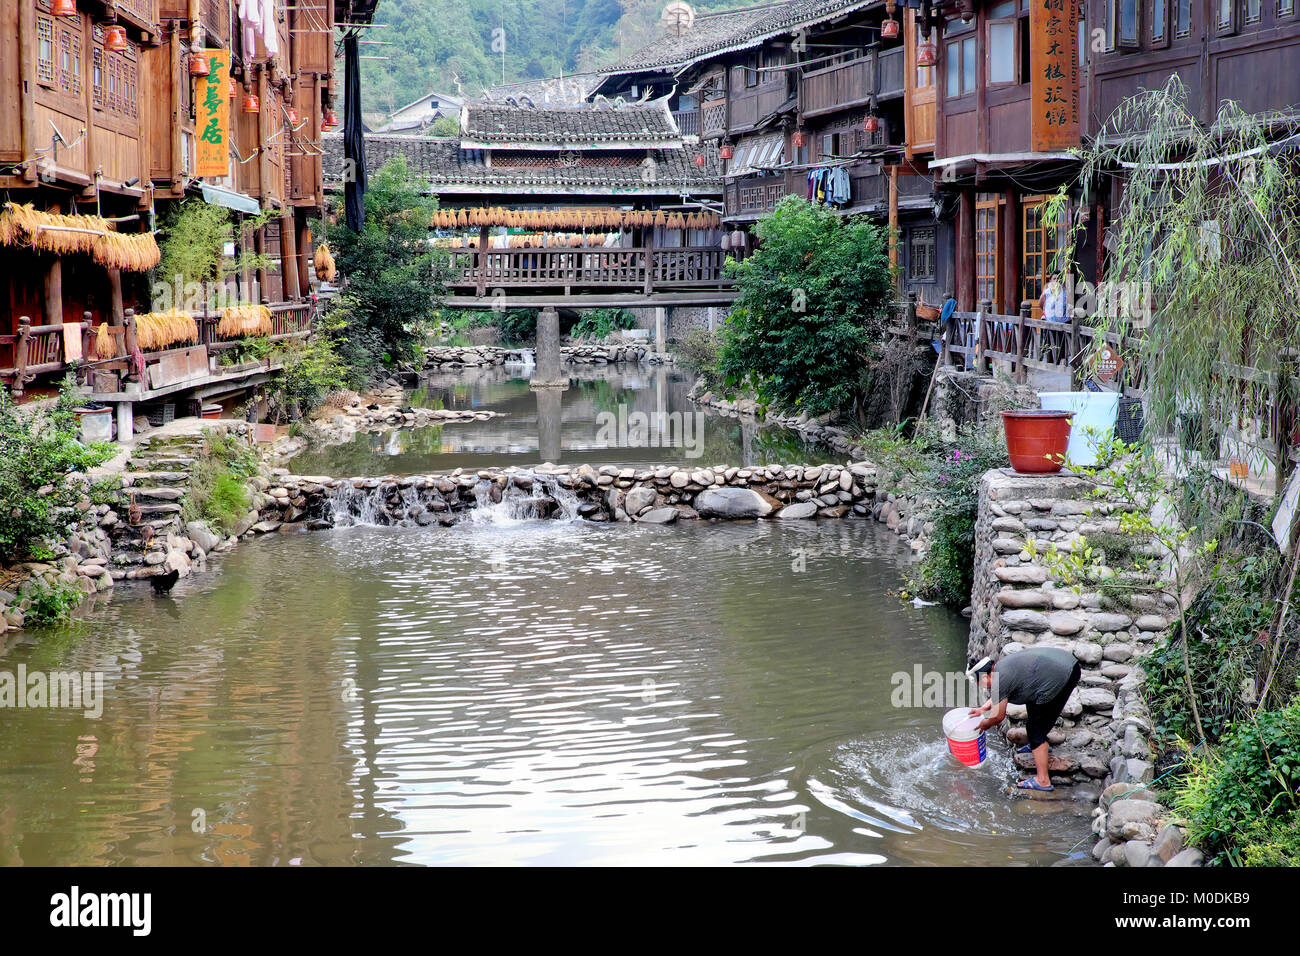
column 1040, row 678
column 1052, row 302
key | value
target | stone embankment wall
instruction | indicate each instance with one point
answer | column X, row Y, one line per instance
column 447, row 357
column 656, row 496
column 1018, row 602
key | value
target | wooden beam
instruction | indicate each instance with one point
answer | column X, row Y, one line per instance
column 26, row 79
column 288, row 256
column 966, row 252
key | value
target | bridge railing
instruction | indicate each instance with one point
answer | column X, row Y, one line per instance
column 598, row 267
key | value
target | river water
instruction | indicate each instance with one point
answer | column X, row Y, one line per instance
column 572, row 426
column 513, row 692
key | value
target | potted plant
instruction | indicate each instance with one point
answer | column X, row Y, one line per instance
column 1037, row 439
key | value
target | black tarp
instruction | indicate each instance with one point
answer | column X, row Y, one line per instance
column 354, row 147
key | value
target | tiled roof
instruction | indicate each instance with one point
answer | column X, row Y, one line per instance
column 451, row 169
column 576, row 127
column 712, row 33
column 568, row 90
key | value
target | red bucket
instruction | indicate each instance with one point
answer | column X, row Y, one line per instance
column 1037, row 440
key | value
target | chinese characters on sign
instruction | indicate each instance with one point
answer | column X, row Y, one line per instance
column 1054, row 65
column 212, row 116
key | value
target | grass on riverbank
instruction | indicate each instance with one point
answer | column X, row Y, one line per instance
column 218, row 491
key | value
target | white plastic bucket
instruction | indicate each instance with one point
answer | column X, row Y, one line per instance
column 1097, row 411
column 965, row 740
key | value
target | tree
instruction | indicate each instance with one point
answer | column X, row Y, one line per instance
column 395, row 278
column 811, row 309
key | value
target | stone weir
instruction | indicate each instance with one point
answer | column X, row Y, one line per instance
column 581, row 353
column 655, row 496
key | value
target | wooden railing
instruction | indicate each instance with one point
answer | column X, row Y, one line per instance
column 39, row 349
column 631, row 268
column 713, row 118
column 688, row 122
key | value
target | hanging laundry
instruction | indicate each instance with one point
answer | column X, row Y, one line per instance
column 270, row 28
column 838, row 189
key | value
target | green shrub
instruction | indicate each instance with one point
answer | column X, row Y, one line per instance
column 37, row 451
column 50, row 602
column 601, row 323
column 218, row 492
column 811, row 309
column 1224, row 652
column 698, row 353
column 517, row 326
column 1272, row 842
column 1237, row 791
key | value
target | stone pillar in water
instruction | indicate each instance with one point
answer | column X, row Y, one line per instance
column 546, row 373
column 548, row 423
column 661, row 320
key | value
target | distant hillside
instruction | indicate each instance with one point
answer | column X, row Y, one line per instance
column 436, row 42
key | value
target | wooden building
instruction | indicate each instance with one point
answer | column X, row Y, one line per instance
column 823, row 100
column 605, row 197
column 99, row 120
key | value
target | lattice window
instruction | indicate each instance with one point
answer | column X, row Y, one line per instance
column 97, row 77
column 45, row 50
column 76, row 63
column 921, row 253
column 1041, row 243
column 986, row 247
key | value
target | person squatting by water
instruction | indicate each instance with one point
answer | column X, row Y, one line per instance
column 1040, row 678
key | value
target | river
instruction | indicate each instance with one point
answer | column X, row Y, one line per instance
column 516, row 692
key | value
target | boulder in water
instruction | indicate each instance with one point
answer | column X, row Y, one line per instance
column 733, row 503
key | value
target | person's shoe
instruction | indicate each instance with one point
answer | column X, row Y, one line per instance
column 1026, row 749
column 1029, row 783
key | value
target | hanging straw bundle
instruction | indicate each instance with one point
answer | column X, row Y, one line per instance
column 242, row 320
column 27, row 226
column 105, row 348
column 131, row 253
column 161, row 330
column 324, row 260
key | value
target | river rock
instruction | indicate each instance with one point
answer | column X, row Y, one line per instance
column 659, row 516
column 639, row 499
column 1132, row 819
column 802, row 509
column 1189, row 857
column 733, row 503
column 1025, row 620
column 198, row 533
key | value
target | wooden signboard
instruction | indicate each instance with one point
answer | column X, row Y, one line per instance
column 1054, row 80
column 212, row 116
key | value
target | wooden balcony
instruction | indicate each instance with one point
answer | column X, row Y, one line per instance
column 852, row 83
column 37, row 350
column 713, row 118
column 632, row 270
column 754, row 197
column 688, row 122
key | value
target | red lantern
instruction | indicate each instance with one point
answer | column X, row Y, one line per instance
column 198, row 64
column 798, row 140
column 726, row 152
column 699, row 159
column 115, row 39
column 925, row 54
column 64, row 8
column 233, row 90
column 250, row 103
column 889, row 30
column 871, row 124
column 329, row 120
column 292, row 115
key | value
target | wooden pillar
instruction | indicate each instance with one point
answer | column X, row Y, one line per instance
column 980, row 360
column 22, row 349
column 304, row 256
column 54, row 291
column 27, row 87
column 1074, row 360
column 116, row 315
column 259, row 246
column 648, row 259
column 893, row 222
column 246, row 242
column 482, row 260
column 288, row 257
column 1022, row 342
column 966, row 252
column 1010, row 253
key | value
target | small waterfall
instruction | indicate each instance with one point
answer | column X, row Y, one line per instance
column 523, row 497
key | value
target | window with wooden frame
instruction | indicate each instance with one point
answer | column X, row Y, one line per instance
column 1128, row 22
column 921, row 254
column 959, row 67
column 1001, row 42
column 97, row 77
column 1225, row 17
column 986, row 247
column 1040, row 244
column 924, row 74
column 1159, row 29
column 1252, row 10
column 751, row 72
column 45, row 71
column 1285, row 8
column 70, row 60
column 1182, row 17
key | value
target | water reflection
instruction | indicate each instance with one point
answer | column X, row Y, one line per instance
column 533, row 692
column 563, row 425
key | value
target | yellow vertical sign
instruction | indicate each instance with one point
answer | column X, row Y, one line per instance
column 212, row 116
